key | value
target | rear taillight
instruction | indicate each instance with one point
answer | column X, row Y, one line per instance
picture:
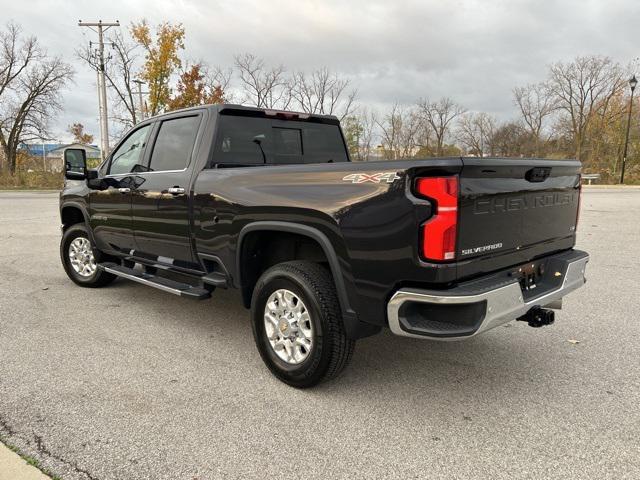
column 439, row 233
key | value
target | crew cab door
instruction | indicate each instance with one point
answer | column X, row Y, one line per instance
column 160, row 205
column 110, row 207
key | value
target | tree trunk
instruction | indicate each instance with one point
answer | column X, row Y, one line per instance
column 439, row 142
column 578, row 147
column 4, row 158
column 9, row 156
column 3, row 153
column 11, row 161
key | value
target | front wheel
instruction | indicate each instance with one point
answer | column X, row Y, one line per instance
column 80, row 259
column 297, row 324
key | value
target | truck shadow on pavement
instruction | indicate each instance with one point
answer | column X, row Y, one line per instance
column 499, row 358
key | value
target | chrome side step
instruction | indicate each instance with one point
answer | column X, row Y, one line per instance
column 216, row 279
column 161, row 283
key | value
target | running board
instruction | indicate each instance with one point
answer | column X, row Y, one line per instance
column 161, row 283
column 216, row 279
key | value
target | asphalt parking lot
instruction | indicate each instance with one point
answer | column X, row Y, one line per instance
column 128, row 382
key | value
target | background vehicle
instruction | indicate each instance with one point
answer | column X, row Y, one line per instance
column 325, row 251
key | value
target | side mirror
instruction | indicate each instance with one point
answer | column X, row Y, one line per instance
column 75, row 164
column 94, row 182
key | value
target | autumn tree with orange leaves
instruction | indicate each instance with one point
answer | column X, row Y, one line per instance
column 195, row 88
column 162, row 60
column 79, row 135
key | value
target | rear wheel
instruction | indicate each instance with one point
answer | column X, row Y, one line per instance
column 297, row 324
column 80, row 259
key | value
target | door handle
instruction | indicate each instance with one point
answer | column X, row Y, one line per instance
column 124, row 190
column 175, row 190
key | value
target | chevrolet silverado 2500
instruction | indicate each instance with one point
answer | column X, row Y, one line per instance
column 324, row 250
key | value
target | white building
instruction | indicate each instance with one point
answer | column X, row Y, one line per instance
column 55, row 157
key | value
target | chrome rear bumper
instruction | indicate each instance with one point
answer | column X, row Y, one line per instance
column 486, row 309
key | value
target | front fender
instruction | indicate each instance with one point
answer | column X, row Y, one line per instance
column 64, row 204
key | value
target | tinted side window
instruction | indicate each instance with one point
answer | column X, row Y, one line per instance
column 288, row 145
column 323, row 143
column 174, row 144
column 129, row 154
column 237, row 138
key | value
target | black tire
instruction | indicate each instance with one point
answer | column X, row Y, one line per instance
column 99, row 278
column 331, row 350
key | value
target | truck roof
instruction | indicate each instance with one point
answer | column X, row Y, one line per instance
column 230, row 108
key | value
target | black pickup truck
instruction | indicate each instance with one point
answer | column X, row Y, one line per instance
column 324, row 250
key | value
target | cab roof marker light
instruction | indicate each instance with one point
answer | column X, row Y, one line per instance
column 280, row 113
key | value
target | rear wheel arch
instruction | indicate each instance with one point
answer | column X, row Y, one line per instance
column 318, row 248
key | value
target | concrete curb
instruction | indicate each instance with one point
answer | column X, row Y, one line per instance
column 611, row 187
column 30, row 190
column 14, row 467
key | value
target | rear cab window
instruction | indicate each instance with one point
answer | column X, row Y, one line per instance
column 241, row 141
column 174, row 144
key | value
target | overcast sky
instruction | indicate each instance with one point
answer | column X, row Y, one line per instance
column 472, row 51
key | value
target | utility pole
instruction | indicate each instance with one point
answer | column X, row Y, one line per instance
column 102, row 87
column 139, row 83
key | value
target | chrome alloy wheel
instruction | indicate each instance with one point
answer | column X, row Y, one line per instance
column 81, row 257
column 288, row 326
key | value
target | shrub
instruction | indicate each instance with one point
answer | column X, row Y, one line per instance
column 31, row 180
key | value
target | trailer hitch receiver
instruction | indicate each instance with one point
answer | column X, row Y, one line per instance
column 538, row 317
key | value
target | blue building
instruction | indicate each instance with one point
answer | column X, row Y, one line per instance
column 52, row 154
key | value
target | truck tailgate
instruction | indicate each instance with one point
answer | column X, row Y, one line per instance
column 512, row 205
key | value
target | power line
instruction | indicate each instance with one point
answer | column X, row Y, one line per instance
column 102, row 87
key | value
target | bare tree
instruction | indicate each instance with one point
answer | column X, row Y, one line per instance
column 440, row 115
column 583, row 88
column 536, row 102
column 263, row 87
column 30, row 85
column 322, row 92
column 369, row 123
column 359, row 131
column 119, row 75
column 475, row 131
column 511, row 139
column 15, row 55
column 400, row 132
column 218, row 77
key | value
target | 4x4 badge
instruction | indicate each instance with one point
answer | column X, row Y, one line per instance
column 387, row 177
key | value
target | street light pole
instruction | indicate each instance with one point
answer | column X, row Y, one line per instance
column 632, row 83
